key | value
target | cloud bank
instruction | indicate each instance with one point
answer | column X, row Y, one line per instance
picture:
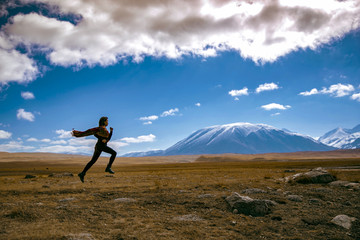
column 110, row 31
column 335, row 90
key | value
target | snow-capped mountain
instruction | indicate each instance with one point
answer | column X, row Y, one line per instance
column 342, row 138
column 245, row 138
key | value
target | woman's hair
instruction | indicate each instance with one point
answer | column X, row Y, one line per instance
column 102, row 121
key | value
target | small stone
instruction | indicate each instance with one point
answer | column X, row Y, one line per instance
column 125, row 200
column 189, row 218
column 343, row 221
column 276, row 218
column 206, row 195
column 249, row 206
column 314, row 201
column 60, row 175
column 294, row 198
column 253, row 191
column 67, row 199
column 29, row 176
column 80, row 236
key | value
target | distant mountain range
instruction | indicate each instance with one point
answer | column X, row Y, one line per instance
column 342, row 138
column 247, row 138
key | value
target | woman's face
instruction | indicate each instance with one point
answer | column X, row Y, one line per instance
column 106, row 122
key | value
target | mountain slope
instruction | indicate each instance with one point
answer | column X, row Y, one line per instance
column 342, row 138
column 244, row 138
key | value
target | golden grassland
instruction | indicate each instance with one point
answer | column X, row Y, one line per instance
column 179, row 197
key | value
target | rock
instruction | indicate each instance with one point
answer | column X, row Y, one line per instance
column 208, row 195
column 29, row 176
column 318, row 175
column 321, row 190
column 253, row 190
column 67, row 199
column 346, row 184
column 60, row 175
column 294, row 198
column 125, row 200
column 276, row 218
column 189, row 217
column 343, row 221
column 289, row 171
column 249, row 206
column 80, row 236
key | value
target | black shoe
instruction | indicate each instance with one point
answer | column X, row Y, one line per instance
column 109, row 170
column 81, row 176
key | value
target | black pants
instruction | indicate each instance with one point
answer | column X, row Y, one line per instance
column 99, row 148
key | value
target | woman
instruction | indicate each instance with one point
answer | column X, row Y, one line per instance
column 103, row 136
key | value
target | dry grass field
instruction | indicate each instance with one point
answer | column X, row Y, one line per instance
column 178, row 197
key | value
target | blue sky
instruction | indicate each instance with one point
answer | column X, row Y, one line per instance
column 161, row 70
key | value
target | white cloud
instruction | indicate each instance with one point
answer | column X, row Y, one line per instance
column 170, row 112
column 147, row 123
column 339, row 90
column 139, row 139
column 309, row 93
column 117, row 144
column 27, row 95
column 356, row 96
column 236, row 93
column 277, row 106
column 15, row 146
column 267, row 87
column 22, row 114
column 63, row 133
column 275, row 114
column 5, row 134
column 82, row 142
column 335, row 90
column 15, row 66
column 149, row 118
column 57, row 142
column 110, row 31
column 198, row 104
column 32, row 139
column 65, row 149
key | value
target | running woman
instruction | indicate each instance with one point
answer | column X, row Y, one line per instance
column 103, row 136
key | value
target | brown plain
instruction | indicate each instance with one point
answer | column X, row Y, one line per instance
column 173, row 197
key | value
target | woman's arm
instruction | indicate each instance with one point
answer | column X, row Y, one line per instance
column 88, row 132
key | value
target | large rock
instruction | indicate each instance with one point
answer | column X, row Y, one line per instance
column 249, row 206
column 343, row 221
column 318, row 175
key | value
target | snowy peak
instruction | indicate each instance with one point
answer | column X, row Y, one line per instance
column 244, row 138
column 241, row 127
column 342, row 138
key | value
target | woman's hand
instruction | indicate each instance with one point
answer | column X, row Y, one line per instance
column 111, row 129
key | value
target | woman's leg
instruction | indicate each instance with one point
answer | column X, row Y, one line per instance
column 94, row 158
column 112, row 158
